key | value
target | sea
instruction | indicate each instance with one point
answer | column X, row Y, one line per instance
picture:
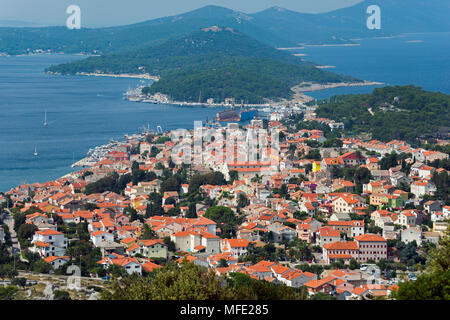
column 85, row 111
column 421, row 59
column 82, row 112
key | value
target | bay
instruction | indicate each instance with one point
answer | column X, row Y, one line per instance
column 421, row 59
column 82, row 112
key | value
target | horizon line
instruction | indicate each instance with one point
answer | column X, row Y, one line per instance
column 44, row 25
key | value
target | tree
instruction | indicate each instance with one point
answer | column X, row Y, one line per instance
column 242, row 200
column 172, row 282
column 170, row 244
column 26, row 231
column 222, row 263
column 225, row 218
column 19, row 281
column 353, row 264
column 434, row 283
column 333, row 142
column 154, row 206
column 61, row 295
column 188, row 281
column 170, row 184
column 362, row 176
column 90, row 206
column 116, row 271
column 131, row 213
column 148, row 233
column 8, row 271
column 41, row 266
column 170, row 200
column 19, row 219
column 192, row 212
column 322, row 296
column 234, row 175
column 8, row 292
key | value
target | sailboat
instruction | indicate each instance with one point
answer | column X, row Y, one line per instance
column 45, row 119
column 35, row 152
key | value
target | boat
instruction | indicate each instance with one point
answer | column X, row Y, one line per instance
column 247, row 115
column 45, row 119
column 35, row 152
column 235, row 116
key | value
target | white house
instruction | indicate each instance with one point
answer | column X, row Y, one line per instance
column 412, row 234
column 189, row 241
column 282, row 232
column 131, row 265
column 49, row 242
column 407, row 218
column 420, row 188
column 57, row 262
column 100, row 236
column 238, row 247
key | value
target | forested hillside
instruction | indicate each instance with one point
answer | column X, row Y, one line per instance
column 248, row 79
column 399, row 112
column 216, row 62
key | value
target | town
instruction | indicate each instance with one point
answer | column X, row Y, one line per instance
column 343, row 217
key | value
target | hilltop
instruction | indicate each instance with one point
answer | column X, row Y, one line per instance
column 275, row 26
column 188, row 50
column 399, row 112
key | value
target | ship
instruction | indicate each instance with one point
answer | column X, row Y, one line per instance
column 228, row 116
column 233, row 115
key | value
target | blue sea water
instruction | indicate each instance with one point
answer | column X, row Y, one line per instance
column 82, row 112
column 392, row 61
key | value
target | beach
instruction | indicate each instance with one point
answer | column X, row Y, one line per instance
column 307, row 86
column 145, row 76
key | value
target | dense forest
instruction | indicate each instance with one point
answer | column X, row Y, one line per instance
column 399, row 112
column 248, row 79
column 212, row 63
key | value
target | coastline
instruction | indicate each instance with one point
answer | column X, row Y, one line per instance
column 333, row 45
column 122, row 75
column 299, row 95
column 318, row 87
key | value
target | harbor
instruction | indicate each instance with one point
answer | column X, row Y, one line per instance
column 136, row 95
column 97, row 154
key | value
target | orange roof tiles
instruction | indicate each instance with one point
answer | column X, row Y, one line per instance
column 370, row 238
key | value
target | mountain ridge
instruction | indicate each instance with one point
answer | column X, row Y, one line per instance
column 275, row 26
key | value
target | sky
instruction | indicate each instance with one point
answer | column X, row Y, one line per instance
column 96, row 13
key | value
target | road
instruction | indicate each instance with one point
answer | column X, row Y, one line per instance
column 9, row 221
column 63, row 277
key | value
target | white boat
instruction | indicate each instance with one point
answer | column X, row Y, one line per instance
column 45, row 119
column 35, row 152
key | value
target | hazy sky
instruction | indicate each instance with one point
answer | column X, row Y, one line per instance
column 119, row 12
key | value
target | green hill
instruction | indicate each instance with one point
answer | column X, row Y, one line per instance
column 214, row 62
column 400, row 112
column 275, row 26
column 189, row 50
